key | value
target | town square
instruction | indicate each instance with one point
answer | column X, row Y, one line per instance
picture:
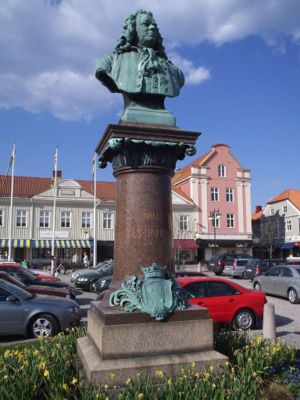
column 149, row 215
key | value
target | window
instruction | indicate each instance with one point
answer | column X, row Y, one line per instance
column 273, row 272
column 230, row 221
column 44, row 219
column 272, row 211
column 214, row 192
column 21, row 218
column 3, row 295
column 222, row 170
column 229, row 195
column 86, row 220
column 288, row 225
column 220, row 289
column 284, row 209
column 107, row 220
column 65, row 219
column 215, row 220
column 1, row 217
column 183, row 222
column 196, row 289
column 286, row 272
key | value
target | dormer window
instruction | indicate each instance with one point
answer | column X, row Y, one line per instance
column 222, row 170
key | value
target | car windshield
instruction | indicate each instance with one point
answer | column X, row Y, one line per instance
column 15, row 290
column 29, row 274
column 298, row 270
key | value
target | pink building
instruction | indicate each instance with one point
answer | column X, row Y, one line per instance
column 220, row 188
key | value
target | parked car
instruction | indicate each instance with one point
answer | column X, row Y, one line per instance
column 15, row 266
column 236, row 268
column 282, row 280
column 22, row 313
column 28, row 278
column 227, row 302
column 218, row 261
column 101, row 267
column 102, row 284
column 36, row 289
column 257, row 267
column 88, row 280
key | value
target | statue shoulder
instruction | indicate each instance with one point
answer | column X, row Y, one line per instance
column 104, row 64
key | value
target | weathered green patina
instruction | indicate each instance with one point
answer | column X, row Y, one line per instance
column 140, row 69
column 157, row 295
column 125, row 152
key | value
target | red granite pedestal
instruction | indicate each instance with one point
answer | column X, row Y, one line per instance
column 124, row 344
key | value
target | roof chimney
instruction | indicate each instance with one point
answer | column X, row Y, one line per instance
column 258, row 209
column 58, row 174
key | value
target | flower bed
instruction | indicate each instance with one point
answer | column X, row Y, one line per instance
column 47, row 371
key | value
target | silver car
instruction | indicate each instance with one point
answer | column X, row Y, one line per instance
column 236, row 267
column 282, row 280
column 22, row 313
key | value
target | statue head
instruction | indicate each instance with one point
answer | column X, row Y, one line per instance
column 140, row 30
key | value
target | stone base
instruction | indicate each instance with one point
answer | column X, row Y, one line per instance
column 124, row 347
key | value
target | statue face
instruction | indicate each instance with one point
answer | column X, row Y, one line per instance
column 146, row 30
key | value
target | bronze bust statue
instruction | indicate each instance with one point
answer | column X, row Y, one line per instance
column 139, row 69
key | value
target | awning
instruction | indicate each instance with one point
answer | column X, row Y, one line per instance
column 289, row 245
column 62, row 244
column 15, row 243
column 184, row 244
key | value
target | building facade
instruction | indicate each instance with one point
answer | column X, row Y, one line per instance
column 221, row 191
column 211, row 213
column 276, row 228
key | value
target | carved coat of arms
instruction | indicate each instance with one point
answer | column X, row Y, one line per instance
column 157, row 295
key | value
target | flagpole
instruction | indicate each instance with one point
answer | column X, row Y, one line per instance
column 12, row 163
column 95, row 209
column 54, row 209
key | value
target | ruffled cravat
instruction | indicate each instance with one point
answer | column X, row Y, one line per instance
column 149, row 64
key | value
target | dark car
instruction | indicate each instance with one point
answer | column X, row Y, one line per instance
column 257, row 267
column 218, row 261
column 28, row 278
column 102, row 284
column 282, row 280
column 98, row 268
column 22, row 313
column 88, row 280
column 36, row 289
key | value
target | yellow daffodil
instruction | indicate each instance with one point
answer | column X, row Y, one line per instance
column 46, row 373
column 158, row 373
column 128, row 382
column 64, row 386
column 74, row 381
column 140, row 396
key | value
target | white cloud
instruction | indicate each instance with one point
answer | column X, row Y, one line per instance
column 193, row 74
column 49, row 49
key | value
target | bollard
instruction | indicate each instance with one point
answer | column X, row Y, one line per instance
column 269, row 327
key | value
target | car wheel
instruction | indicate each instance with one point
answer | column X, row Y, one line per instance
column 44, row 326
column 93, row 287
column 244, row 275
column 257, row 286
column 243, row 319
column 218, row 273
column 293, row 296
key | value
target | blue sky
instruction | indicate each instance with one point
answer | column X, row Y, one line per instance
column 241, row 59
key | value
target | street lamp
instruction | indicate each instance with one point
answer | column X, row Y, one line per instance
column 213, row 216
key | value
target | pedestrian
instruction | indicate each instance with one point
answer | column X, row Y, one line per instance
column 75, row 258
column 54, row 265
column 25, row 263
column 85, row 260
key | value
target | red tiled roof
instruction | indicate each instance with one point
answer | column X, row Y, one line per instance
column 289, row 194
column 27, row 187
column 106, row 191
column 256, row 215
column 181, row 193
column 186, row 171
column 24, row 186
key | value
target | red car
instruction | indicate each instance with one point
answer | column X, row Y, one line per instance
column 18, row 266
column 36, row 289
column 227, row 302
